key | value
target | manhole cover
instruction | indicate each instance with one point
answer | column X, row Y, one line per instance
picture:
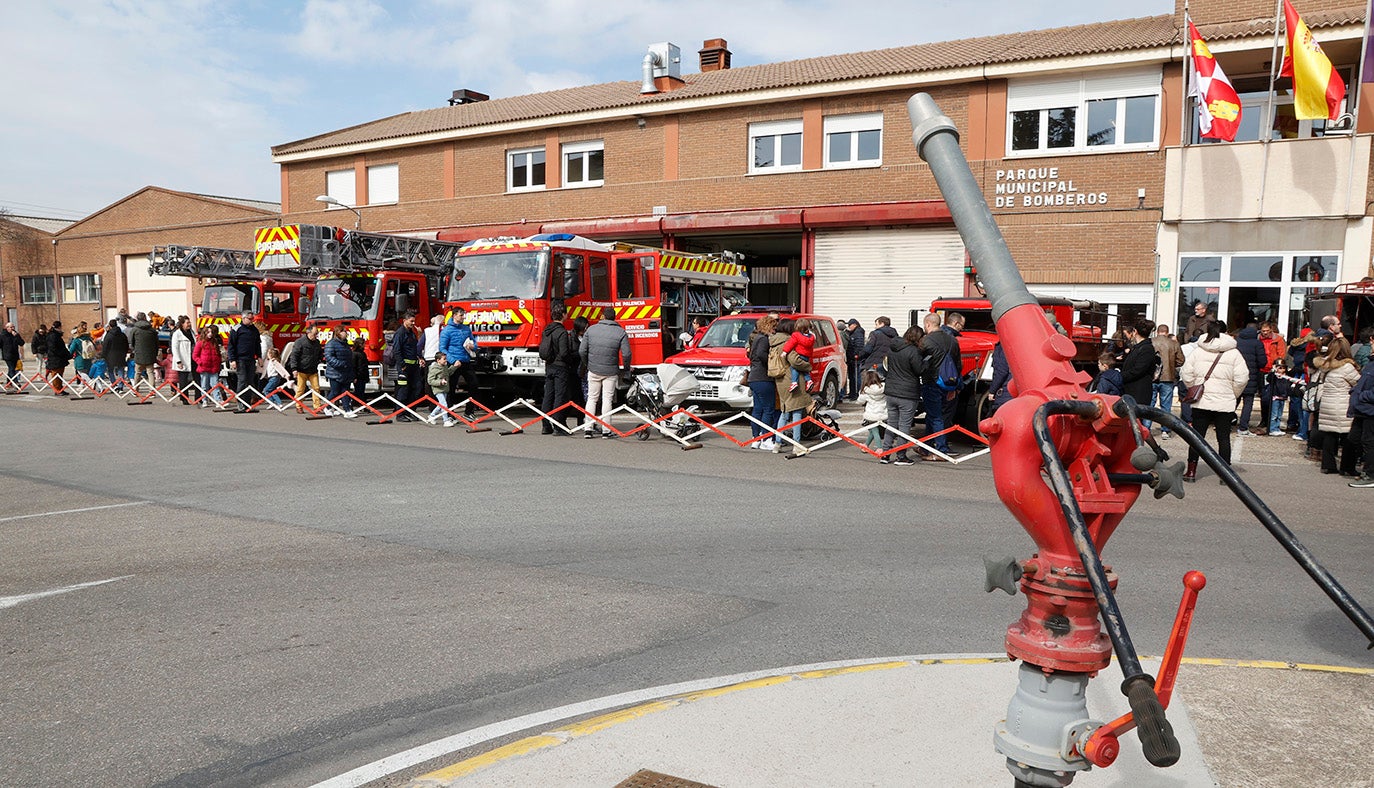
column 647, row 779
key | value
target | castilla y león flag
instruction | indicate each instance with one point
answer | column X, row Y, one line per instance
column 1218, row 106
column 1317, row 89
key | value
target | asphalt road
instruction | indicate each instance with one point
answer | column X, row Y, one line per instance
column 299, row 598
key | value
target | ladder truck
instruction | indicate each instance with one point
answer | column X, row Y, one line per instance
column 277, row 298
column 364, row 282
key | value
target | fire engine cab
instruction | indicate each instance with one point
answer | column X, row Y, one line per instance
column 278, row 299
column 366, row 281
column 508, row 286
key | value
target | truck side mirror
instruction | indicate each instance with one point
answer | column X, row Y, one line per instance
column 402, row 303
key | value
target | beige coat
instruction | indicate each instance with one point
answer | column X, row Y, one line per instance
column 1228, row 380
column 1337, row 381
column 788, row 401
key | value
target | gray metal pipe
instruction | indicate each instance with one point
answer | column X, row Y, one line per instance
column 937, row 141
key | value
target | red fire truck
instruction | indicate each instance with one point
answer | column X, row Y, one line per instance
column 508, row 285
column 1352, row 303
column 366, row 281
column 278, row 299
column 979, row 337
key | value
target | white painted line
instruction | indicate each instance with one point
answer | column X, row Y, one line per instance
column 11, row 601
column 417, row 755
column 74, row 511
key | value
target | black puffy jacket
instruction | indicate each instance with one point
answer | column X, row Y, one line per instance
column 904, row 367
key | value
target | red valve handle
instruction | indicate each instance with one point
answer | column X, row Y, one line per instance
column 1103, row 745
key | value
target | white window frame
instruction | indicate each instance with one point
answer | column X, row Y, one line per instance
column 852, row 124
column 26, row 290
column 527, row 154
column 583, row 149
column 384, row 184
column 775, row 129
column 1076, row 93
column 342, row 185
column 80, row 285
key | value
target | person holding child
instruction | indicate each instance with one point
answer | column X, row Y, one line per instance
column 803, row 343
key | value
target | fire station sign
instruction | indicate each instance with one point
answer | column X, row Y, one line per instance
column 1040, row 187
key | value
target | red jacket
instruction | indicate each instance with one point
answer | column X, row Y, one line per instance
column 1274, row 348
column 804, row 344
column 207, row 357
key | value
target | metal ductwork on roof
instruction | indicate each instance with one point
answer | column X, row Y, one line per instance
column 662, row 60
column 466, row 96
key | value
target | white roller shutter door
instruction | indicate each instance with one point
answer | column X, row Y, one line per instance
column 165, row 295
column 882, row 271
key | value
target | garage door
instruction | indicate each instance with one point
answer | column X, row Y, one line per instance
column 871, row 272
column 165, row 295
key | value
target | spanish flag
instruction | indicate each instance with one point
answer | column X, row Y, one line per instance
column 1318, row 90
column 1218, row 106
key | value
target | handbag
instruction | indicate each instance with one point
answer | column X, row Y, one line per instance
column 1194, row 393
column 1312, row 397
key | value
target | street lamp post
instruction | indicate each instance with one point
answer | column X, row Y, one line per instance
column 327, row 200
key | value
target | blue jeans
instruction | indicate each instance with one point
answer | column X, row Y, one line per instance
column 787, row 417
column 1163, row 399
column 933, row 398
column 1296, row 421
column 270, row 388
column 1276, row 415
column 208, row 381
column 765, row 410
column 1185, row 410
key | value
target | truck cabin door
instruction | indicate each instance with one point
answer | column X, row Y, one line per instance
column 636, row 301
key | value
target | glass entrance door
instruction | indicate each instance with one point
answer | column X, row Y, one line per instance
column 1242, row 288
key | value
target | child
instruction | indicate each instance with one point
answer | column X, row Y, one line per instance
column 874, row 399
column 164, row 366
column 1109, row 380
column 803, row 343
column 277, row 378
column 439, row 373
column 1283, row 387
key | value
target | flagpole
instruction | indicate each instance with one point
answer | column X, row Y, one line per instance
column 1184, row 131
column 1358, row 88
column 1267, row 122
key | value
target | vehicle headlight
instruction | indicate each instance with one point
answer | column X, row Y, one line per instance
column 734, row 374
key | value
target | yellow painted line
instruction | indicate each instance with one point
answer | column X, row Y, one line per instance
column 605, row 721
column 965, row 661
column 726, row 690
column 495, row 756
column 820, row 674
column 1272, row 665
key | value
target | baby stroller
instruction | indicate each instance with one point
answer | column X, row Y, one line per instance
column 830, row 417
column 656, row 394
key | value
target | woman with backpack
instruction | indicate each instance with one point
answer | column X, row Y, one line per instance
column 763, row 388
column 792, row 404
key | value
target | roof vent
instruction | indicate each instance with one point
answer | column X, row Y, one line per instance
column 662, row 68
column 714, row 55
column 466, row 96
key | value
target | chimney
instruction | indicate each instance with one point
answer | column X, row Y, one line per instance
column 714, row 55
column 466, row 96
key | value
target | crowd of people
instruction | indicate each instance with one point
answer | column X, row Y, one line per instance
column 1321, row 378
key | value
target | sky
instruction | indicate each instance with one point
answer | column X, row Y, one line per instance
column 103, row 97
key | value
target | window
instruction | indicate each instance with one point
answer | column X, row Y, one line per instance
column 342, row 185
column 775, row 146
column 1255, row 103
column 383, row 184
column 280, row 303
column 854, row 140
column 1087, row 115
column 584, row 163
column 79, row 289
column 601, row 279
column 525, row 169
column 1240, row 288
column 36, row 290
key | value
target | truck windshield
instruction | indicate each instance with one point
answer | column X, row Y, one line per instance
column 345, row 298
column 728, row 332
column 501, row 275
column 226, row 300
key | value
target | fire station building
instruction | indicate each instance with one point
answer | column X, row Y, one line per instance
column 1083, row 138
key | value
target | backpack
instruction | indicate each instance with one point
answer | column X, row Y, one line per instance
column 777, row 362
column 948, row 377
column 87, row 349
column 1312, row 397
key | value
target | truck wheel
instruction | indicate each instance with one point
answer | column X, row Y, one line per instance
column 830, row 392
column 982, row 410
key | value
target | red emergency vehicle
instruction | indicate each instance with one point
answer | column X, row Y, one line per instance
column 366, row 281
column 278, row 299
column 508, row 286
column 1352, row 303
